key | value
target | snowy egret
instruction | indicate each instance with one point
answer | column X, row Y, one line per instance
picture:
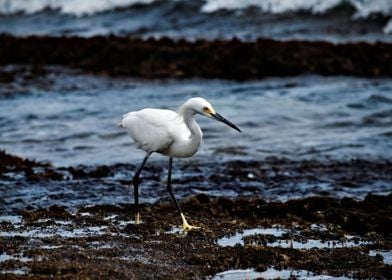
column 174, row 134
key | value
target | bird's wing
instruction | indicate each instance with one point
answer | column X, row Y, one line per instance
column 150, row 128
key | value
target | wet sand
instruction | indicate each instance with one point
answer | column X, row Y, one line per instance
column 100, row 240
column 167, row 58
column 151, row 250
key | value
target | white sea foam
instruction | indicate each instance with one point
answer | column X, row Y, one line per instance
column 364, row 8
column 72, row 7
column 388, row 28
column 271, row 6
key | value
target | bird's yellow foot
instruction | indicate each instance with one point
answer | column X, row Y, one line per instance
column 185, row 225
column 137, row 218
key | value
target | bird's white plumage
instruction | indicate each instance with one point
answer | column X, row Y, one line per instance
column 175, row 134
column 155, row 130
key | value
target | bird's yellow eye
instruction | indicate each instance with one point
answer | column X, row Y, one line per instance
column 206, row 110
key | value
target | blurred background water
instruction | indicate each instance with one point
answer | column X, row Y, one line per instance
column 69, row 118
column 331, row 20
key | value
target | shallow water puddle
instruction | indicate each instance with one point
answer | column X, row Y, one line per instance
column 387, row 255
column 57, row 222
column 85, row 214
column 19, row 271
column 175, row 230
column 238, row 274
column 313, row 243
column 13, row 219
column 238, row 239
column 54, row 231
column 6, row 257
column 271, row 273
column 59, row 228
column 110, row 217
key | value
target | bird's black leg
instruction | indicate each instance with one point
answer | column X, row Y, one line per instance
column 185, row 224
column 135, row 182
column 169, row 188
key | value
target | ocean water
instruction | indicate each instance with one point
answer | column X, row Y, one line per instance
column 69, row 118
column 331, row 20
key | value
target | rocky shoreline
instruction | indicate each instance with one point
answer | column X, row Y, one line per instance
column 168, row 58
column 101, row 240
column 323, row 235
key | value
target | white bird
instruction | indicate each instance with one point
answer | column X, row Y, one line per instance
column 174, row 134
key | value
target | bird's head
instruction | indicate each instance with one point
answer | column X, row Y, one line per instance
column 203, row 107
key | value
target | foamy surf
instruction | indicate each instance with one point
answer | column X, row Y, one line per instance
column 70, row 7
column 326, row 20
column 272, row 6
column 363, row 8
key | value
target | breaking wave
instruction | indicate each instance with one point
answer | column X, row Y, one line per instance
column 71, row 7
column 362, row 8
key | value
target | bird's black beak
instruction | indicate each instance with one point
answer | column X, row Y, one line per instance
column 222, row 119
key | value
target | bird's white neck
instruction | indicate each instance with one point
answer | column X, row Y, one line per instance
column 188, row 114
